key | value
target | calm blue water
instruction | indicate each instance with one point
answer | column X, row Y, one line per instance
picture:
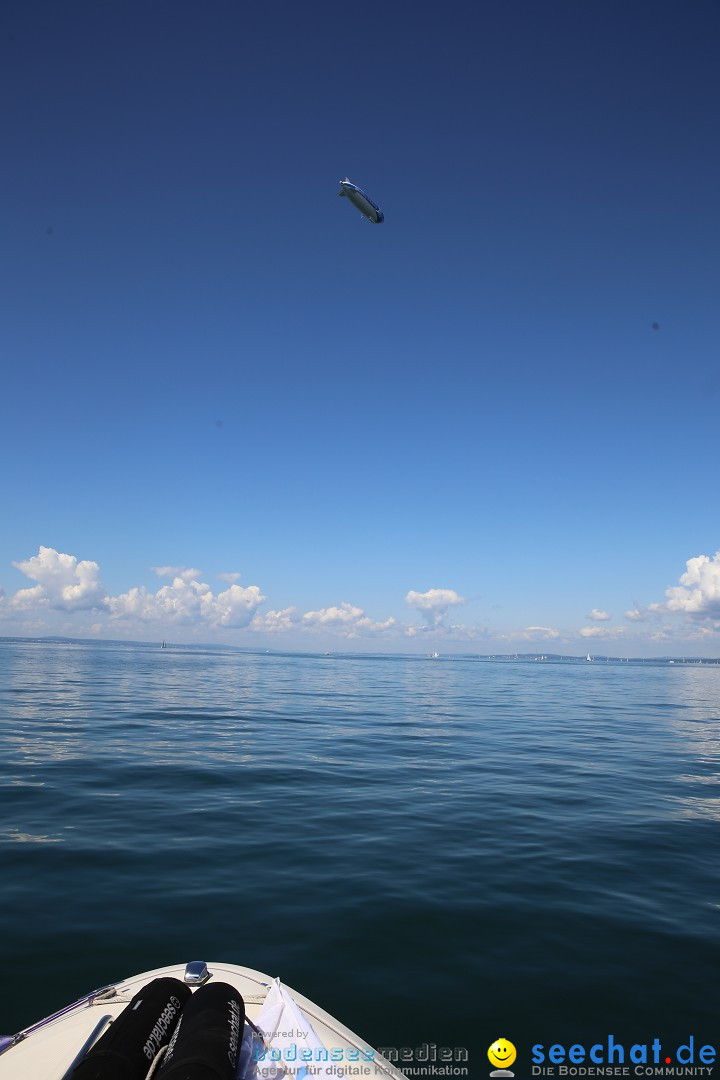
column 436, row 851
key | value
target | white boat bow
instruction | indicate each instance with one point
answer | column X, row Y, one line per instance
column 285, row 1035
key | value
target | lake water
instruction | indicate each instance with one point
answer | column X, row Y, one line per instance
column 437, row 851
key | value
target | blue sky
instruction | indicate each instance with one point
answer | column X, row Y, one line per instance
column 489, row 424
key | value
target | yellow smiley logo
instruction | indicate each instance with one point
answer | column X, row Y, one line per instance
column 502, row 1053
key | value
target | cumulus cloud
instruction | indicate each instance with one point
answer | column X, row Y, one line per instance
column 343, row 615
column 698, row 594
column 599, row 616
column 435, row 603
column 236, row 606
column 346, row 621
column 188, row 601
column 63, row 583
column 274, row 622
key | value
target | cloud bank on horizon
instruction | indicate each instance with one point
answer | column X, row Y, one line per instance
column 64, row 585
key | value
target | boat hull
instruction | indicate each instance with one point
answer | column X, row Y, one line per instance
column 50, row 1049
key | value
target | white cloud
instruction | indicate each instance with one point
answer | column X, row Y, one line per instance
column 188, row 601
column 61, row 588
column 63, row 583
column 236, row 606
column 698, row 594
column 343, row 615
column 602, row 631
column 435, row 602
column 135, row 603
column 447, row 633
column 685, row 634
column 29, row 599
column 535, row 633
column 274, row 622
column 346, row 621
column 188, row 573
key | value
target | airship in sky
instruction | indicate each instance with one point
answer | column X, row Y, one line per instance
column 362, row 201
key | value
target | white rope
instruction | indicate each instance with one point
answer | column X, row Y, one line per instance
column 155, row 1062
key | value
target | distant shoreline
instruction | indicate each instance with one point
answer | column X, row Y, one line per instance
column 531, row 657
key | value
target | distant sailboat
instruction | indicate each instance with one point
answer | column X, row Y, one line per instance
column 434, row 655
column 163, row 646
column 589, row 658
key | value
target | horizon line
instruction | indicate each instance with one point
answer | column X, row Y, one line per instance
column 538, row 655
